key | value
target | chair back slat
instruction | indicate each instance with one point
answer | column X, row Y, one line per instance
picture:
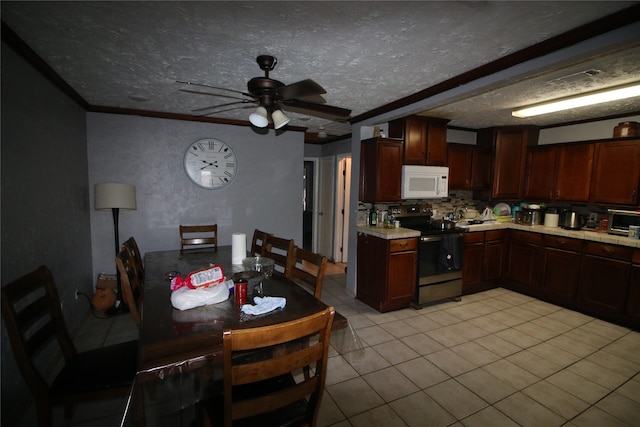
column 282, row 251
column 293, row 345
column 257, row 244
column 198, row 237
column 132, row 289
column 308, row 270
column 132, row 247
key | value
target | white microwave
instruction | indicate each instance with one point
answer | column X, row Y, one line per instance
column 425, row 182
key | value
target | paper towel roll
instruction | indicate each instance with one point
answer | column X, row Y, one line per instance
column 238, row 247
column 551, row 220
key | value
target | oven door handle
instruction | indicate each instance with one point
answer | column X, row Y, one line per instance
column 430, row 238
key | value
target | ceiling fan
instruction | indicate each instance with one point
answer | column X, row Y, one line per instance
column 272, row 96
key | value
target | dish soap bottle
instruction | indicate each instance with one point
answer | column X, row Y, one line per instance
column 374, row 217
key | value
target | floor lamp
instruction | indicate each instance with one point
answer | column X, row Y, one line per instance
column 116, row 196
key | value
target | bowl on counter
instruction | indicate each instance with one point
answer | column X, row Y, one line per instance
column 470, row 213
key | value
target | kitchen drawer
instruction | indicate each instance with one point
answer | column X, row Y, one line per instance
column 565, row 243
column 401, row 245
column 525, row 237
column 609, row 251
column 636, row 257
column 475, row 237
column 493, row 235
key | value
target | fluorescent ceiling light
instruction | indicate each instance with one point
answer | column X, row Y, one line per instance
column 579, row 101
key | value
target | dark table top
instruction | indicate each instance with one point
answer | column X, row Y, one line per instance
column 171, row 339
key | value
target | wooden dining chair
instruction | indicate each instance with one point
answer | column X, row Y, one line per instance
column 35, row 325
column 198, row 237
column 308, row 270
column 264, row 391
column 132, row 247
column 257, row 244
column 282, row 251
column 132, row 288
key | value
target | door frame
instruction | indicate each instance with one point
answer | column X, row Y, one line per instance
column 341, row 208
column 315, row 197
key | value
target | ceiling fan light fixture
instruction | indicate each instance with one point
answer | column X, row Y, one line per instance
column 279, row 119
column 259, row 117
column 579, row 101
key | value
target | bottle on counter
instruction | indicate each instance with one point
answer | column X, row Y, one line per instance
column 373, row 221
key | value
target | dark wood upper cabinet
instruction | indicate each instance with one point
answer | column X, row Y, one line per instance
column 540, row 178
column 425, row 139
column 380, row 170
column 469, row 167
column 616, row 173
column 510, row 156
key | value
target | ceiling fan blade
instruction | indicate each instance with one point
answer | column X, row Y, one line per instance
column 319, row 110
column 300, row 89
column 228, row 109
column 215, row 87
column 211, row 94
column 211, row 107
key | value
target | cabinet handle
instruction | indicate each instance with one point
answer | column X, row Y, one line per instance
column 608, row 250
column 562, row 241
column 633, row 196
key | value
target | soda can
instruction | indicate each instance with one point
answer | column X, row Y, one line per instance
column 240, row 292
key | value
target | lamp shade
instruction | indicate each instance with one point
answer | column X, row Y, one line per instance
column 259, row 117
column 279, row 119
column 112, row 195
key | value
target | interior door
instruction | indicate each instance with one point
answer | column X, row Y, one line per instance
column 324, row 235
column 343, row 191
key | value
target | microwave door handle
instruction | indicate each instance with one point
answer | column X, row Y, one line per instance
column 437, row 186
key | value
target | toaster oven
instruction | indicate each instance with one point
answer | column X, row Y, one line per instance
column 620, row 220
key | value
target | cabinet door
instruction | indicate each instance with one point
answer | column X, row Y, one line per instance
column 493, row 260
column 540, row 176
column 616, row 173
column 472, row 262
column 415, row 141
column 459, row 159
column 510, row 160
column 633, row 302
column 381, row 170
column 603, row 286
column 402, row 279
column 390, row 172
column 560, row 273
column 436, row 143
column 523, row 261
column 371, row 271
column 481, row 168
column 573, row 181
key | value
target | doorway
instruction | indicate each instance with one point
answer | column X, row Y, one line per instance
column 308, row 195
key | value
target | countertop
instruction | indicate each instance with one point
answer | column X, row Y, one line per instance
column 596, row 236
column 388, row 233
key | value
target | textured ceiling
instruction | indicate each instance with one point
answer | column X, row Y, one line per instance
column 365, row 54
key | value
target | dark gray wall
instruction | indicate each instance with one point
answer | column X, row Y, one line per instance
column 148, row 153
column 45, row 199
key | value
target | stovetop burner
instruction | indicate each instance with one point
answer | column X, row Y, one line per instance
column 418, row 217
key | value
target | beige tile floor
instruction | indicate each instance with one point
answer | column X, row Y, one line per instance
column 496, row 358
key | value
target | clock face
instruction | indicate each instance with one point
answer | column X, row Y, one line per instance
column 210, row 163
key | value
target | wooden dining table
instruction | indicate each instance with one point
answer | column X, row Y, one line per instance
column 173, row 339
column 180, row 351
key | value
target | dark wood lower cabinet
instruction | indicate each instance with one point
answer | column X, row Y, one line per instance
column 482, row 261
column 387, row 272
column 603, row 287
column 633, row 299
column 523, row 262
column 561, row 270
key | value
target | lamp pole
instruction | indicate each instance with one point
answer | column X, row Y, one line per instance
column 116, row 196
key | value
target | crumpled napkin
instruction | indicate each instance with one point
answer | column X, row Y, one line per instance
column 185, row 298
column 264, row 305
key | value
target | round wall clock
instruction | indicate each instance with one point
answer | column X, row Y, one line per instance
column 210, row 163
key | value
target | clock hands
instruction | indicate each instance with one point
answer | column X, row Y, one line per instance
column 208, row 164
